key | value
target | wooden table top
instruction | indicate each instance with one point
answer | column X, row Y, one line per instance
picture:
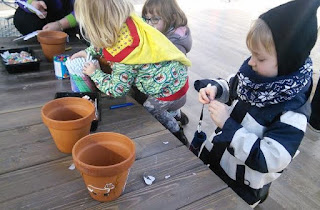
column 34, row 174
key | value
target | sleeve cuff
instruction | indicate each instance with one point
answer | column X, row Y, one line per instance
column 29, row 2
column 72, row 20
column 97, row 74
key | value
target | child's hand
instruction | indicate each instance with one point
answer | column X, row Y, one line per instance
column 79, row 54
column 207, row 94
column 53, row 26
column 89, row 68
column 42, row 7
column 219, row 113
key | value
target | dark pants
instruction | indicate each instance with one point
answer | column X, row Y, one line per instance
column 29, row 22
column 138, row 95
column 315, row 107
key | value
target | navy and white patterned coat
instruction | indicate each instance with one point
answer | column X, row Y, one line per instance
column 255, row 144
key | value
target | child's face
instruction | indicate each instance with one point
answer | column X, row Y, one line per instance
column 264, row 63
column 155, row 21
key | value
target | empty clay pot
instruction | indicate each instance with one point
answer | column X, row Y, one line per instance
column 68, row 119
column 104, row 160
column 52, row 43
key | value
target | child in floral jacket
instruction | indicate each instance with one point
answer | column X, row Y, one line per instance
column 140, row 55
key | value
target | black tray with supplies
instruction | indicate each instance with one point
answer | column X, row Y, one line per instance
column 21, row 67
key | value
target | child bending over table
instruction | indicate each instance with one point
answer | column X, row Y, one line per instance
column 139, row 54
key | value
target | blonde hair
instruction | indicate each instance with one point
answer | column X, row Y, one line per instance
column 101, row 20
column 168, row 10
column 260, row 33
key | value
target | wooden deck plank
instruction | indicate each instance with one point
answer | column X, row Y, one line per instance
column 36, row 178
column 28, row 153
column 31, row 96
column 196, row 184
column 33, row 145
column 224, row 199
column 270, row 203
column 155, row 143
column 45, row 74
column 21, row 118
column 41, row 194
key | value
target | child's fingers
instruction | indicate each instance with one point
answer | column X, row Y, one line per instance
column 219, row 113
column 44, row 15
column 216, row 104
column 89, row 64
column 203, row 98
column 97, row 65
column 74, row 56
column 42, row 5
column 211, row 92
column 85, row 70
column 88, row 68
column 79, row 54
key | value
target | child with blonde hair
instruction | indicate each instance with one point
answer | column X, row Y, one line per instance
column 259, row 134
column 140, row 56
column 169, row 19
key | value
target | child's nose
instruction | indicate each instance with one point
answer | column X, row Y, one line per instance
column 251, row 62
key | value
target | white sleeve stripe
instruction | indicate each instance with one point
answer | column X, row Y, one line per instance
column 276, row 156
column 295, row 119
column 225, row 90
column 242, row 143
column 256, row 179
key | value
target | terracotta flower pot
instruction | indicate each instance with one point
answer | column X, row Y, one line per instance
column 104, row 160
column 52, row 43
column 68, row 119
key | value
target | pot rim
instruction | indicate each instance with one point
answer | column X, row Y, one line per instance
column 84, row 166
column 56, row 122
column 44, row 37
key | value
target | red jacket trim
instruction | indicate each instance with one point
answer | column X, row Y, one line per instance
column 178, row 94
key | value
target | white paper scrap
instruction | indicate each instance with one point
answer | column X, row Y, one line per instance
column 86, row 97
column 29, row 36
column 72, row 167
column 148, row 179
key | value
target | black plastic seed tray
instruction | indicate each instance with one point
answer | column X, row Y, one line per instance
column 93, row 96
column 21, row 67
